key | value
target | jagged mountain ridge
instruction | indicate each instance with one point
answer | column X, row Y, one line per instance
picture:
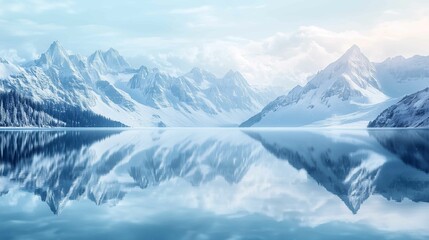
column 196, row 90
column 106, row 84
column 344, row 86
column 351, row 88
column 411, row 111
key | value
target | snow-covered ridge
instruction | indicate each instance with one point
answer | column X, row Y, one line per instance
column 351, row 90
column 106, row 84
column 411, row 111
column 348, row 92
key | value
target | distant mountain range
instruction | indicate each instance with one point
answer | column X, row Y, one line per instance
column 352, row 91
column 107, row 85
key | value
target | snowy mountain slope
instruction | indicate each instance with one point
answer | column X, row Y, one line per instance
column 411, row 111
column 61, row 78
column 343, row 87
column 65, row 77
column 197, row 90
column 14, row 77
column 32, row 82
column 106, row 84
column 400, row 76
column 17, row 111
column 358, row 119
column 197, row 98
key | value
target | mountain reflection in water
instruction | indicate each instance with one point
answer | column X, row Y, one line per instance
column 224, row 171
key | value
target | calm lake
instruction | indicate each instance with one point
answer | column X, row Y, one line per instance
column 214, row 184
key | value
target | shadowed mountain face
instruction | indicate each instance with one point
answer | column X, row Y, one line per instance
column 103, row 166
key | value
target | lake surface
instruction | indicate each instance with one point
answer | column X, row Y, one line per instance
column 214, row 184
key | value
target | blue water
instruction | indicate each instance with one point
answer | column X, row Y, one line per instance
column 214, row 184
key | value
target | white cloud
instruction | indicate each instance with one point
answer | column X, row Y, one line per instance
column 288, row 59
column 206, row 36
column 11, row 55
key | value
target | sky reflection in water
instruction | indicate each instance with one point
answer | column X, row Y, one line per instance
column 214, row 184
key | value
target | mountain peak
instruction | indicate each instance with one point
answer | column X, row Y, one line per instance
column 353, row 58
column 233, row 74
column 354, row 47
column 56, row 48
column 196, row 70
column 201, row 72
column 55, row 43
column 196, row 73
column 353, row 52
column 112, row 54
column 112, row 51
column 143, row 69
column 108, row 61
column 57, row 56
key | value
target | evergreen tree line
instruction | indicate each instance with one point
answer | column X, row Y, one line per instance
column 19, row 111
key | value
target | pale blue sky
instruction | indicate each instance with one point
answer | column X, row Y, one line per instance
column 276, row 41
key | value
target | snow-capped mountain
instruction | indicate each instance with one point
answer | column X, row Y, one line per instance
column 109, row 61
column 350, row 91
column 57, row 59
column 197, row 90
column 106, row 84
column 345, row 86
column 411, row 111
column 160, row 90
column 71, row 83
column 42, row 82
column 401, row 76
